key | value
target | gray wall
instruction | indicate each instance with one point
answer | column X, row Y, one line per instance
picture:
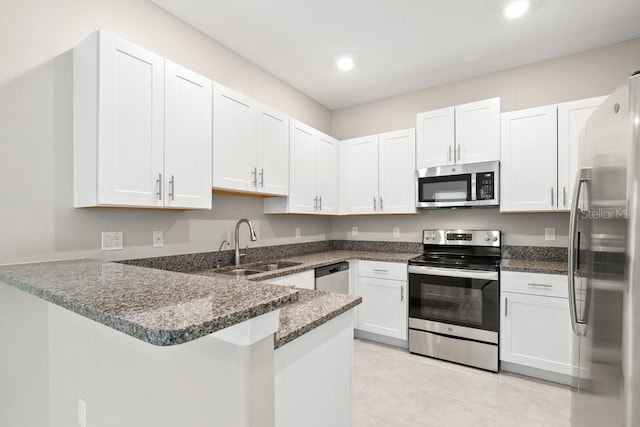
column 591, row 73
column 36, row 215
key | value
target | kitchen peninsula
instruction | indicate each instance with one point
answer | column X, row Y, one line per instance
column 138, row 346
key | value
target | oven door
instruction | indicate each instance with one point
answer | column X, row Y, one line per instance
column 449, row 296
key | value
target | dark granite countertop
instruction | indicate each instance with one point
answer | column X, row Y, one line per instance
column 534, row 266
column 168, row 307
column 159, row 307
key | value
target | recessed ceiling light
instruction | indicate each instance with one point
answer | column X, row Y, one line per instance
column 345, row 63
column 516, row 9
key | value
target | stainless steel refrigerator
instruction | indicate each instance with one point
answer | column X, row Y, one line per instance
column 604, row 263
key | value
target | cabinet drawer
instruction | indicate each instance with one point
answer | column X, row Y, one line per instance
column 383, row 270
column 552, row 285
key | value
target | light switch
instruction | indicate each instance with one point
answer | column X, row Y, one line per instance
column 550, row 234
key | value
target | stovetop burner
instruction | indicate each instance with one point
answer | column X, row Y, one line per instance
column 462, row 249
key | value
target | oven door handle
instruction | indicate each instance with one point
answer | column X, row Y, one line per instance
column 453, row 272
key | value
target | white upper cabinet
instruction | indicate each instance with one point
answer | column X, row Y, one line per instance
column 396, row 174
column 250, row 145
column 540, row 155
column 466, row 133
column 187, row 145
column 313, row 173
column 234, row 140
column 572, row 117
column 478, row 131
column 435, row 138
column 121, row 128
column 326, row 174
column 359, row 185
column 529, row 160
column 378, row 173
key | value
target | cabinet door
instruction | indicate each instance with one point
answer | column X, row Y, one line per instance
column 302, row 149
column 529, row 160
column 384, row 307
column 397, row 177
column 131, row 123
column 273, row 152
column 571, row 119
column 360, row 174
column 188, row 102
column 326, row 174
column 478, row 131
column 535, row 331
column 234, row 141
column 435, row 138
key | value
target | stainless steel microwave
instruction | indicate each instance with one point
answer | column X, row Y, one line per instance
column 453, row 186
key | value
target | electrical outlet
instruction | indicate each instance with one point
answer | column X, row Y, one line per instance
column 550, row 234
column 396, row 232
column 354, row 231
column 112, row 240
column 82, row 413
column 158, row 239
column 297, row 232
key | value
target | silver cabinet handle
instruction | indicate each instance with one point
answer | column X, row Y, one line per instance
column 375, row 207
column 254, row 181
column 459, row 157
column 564, row 196
column 159, row 185
column 262, row 178
column 381, row 208
column 552, row 196
column 583, row 176
column 315, row 204
column 506, row 305
column 401, row 293
column 540, row 285
column 377, row 270
column 449, row 155
column 172, row 184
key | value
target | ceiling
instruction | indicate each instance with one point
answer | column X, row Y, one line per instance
column 400, row 46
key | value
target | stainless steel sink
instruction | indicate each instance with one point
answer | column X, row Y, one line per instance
column 248, row 270
column 276, row 265
column 238, row 271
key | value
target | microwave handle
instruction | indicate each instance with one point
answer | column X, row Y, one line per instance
column 449, row 155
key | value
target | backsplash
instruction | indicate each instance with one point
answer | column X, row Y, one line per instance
column 535, row 253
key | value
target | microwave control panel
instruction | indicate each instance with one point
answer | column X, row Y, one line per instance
column 485, row 186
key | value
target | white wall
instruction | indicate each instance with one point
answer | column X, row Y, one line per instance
column 591, row 73
column 36, row 215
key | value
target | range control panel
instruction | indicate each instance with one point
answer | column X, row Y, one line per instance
column 461, row 237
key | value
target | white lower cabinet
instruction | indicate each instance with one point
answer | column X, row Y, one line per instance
column 535, row 328
column 383, row 288
column 303, row 280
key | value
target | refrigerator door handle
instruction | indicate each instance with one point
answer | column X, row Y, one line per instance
column 583, row 176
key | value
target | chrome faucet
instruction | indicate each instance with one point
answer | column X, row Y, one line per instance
column 253, row 237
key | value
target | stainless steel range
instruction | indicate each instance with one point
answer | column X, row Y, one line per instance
column 454, row 304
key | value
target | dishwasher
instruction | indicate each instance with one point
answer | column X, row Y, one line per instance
column 333, row 278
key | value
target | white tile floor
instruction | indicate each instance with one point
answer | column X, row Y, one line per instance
column 395, row 388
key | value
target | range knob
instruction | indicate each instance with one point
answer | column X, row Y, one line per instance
column 433, row 237
column 495, row 238
column 486, row 237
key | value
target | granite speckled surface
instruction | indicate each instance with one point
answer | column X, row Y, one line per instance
column 312, row 309
column 534, row 266
column 534, row 259
column 538, row 253
column 198, row 262
column 159, row 307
